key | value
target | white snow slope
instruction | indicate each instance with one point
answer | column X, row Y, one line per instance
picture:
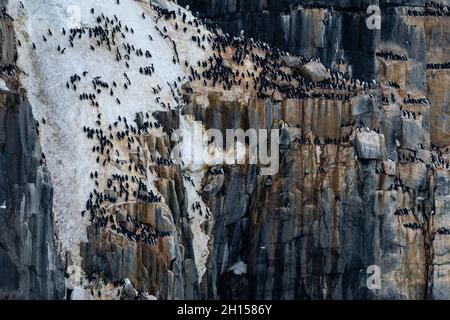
column 46, row 72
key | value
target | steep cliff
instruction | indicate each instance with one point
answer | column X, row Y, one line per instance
column 325, row 230
column 29, row 259
column 336, row 32
column 99, row 102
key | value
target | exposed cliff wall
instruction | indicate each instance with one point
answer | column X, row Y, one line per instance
column 31, row 267
column 336, row 32
column 312, row 234
column 319, row 31
column 363, row 178
column 94, row 102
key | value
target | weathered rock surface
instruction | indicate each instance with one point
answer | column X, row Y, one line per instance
column 309, row 231
column 30, row 265
column 309, row 235
column 314, row 71
column 335, row 32
column 370, row 145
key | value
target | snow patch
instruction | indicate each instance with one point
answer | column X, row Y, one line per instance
column 3, row 86
column 238, row 268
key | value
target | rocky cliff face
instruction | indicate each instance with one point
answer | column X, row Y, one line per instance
column 336, row 32
column 30, row 264
column 313, row 236
column 95, row 103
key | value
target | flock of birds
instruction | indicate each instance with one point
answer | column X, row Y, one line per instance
column 407, row 114
column 391, row 56
column 432, row 9
column 321, row 141
column 226, row 69
column 437, row 160
column 409, row 100
column 399, row 185
column 130, row 184
column 403, row 212
column 413, row 225
column 438, row 66
column 268, row 73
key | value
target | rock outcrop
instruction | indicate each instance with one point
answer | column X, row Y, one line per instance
column 314, row 71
